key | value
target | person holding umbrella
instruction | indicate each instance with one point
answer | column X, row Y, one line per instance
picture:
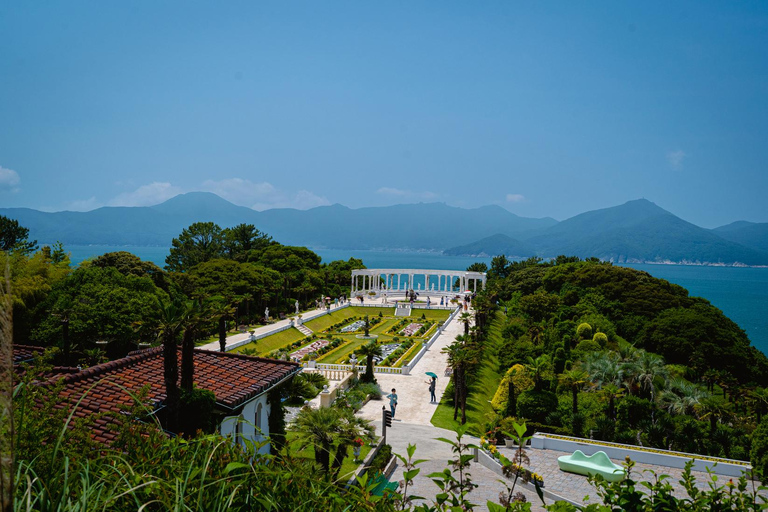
column 432, row 383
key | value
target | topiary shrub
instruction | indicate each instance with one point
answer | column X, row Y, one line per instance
column 520, row 379
column 600, row 338
column 536, row 404
column 584, row 331
column 586, row 346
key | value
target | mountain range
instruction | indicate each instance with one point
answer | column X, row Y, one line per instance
column 637, row 231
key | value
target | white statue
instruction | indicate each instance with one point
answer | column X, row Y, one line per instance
column 266, row 313
column 297, row 307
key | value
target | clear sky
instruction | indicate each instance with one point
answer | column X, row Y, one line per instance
column 545, row 108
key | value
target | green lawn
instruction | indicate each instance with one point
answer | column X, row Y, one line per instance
column 348, row 466
column 484, row 385
column 340, row 353
column 409, row 354
column 324, row 322
column 273, row 342
column 431, row 314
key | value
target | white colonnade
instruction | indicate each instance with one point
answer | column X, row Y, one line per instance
column 375, row 281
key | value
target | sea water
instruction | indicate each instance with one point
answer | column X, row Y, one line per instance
column 741, row 293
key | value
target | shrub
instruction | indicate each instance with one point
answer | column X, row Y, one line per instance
column 370, row 388
column 196, row 411
column 521, row 381
column 600, row 338
column 759, row 453
column 536, row 404
column 584, row 331
column 586, row 346
column 381, row 459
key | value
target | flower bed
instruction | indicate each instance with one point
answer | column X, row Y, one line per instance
column 514, row 469
column 411, row 329
column 315, row 346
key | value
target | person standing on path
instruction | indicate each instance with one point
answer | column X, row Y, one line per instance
column 392, row 402
column 432, row 383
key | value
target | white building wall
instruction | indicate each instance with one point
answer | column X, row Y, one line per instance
column 249, row 429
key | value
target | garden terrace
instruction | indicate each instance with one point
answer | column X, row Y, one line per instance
column 382, row 323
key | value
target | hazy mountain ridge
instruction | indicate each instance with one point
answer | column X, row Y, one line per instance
column 431, row 226
column 750, row 234
column 637, row 231
column 492, row 246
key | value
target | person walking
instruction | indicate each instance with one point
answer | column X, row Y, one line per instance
column 432, row 383
column 392, row 402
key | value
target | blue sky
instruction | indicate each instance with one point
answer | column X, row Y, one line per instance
column 545, row 108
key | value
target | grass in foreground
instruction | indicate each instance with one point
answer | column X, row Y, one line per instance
column 484, row 385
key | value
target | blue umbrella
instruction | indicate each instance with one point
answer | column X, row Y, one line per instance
column 431, row 374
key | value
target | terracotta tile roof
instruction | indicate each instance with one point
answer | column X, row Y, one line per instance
column 233, row 378
column 25, row 353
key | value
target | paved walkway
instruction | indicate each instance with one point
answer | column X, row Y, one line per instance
column 412, row 425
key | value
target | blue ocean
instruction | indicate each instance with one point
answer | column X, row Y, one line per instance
column 741, row 293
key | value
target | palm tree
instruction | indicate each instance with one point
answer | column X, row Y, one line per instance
column 349, row 428
column 539, row 369
column 461, row 357
column 574, row 379
column 369, row 350
column 714, row 410
column 759, row 401
column 318, row 428
column 681, row 397
column 171, row 322
column 646, row 369
column 197, row 315
column 466, row 319
column 606, row 373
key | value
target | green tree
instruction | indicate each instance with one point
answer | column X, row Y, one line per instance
column 759, row 453
column 574, row 380
column 200, row 242
column 172, row 319
column 245, row 243
column 94, row 304
column 14, row 237
column 369, row 351
column 318, row 428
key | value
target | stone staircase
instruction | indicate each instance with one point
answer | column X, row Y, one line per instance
column 403, row 310
column 303, row 329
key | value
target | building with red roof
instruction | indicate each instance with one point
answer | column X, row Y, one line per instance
column 239, row 382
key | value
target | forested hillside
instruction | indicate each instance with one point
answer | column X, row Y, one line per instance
column 589, row 347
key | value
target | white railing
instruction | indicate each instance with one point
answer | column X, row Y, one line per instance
column 348, row 367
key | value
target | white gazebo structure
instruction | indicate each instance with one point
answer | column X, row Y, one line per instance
column 376, row 281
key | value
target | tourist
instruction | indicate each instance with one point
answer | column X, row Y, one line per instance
column 432, row 383
column 392, row 402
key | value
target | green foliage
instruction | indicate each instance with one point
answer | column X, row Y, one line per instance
column 601, row 339
column 381, row 459
column 100, row 304
column 200, row 242
column 759, row 453
column 584, row 331
column 536, row 404
column 196, row 411
column 14, row 237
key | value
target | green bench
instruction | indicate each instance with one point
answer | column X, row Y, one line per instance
column 597, row 464
column 383, row 485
